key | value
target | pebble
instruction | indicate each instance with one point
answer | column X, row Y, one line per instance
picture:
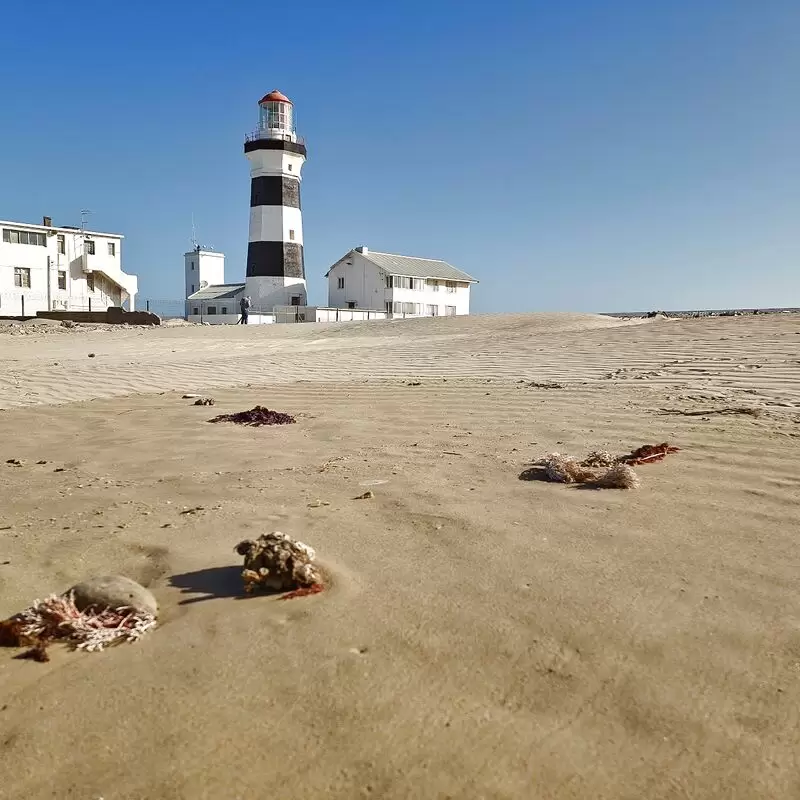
column 114, row 591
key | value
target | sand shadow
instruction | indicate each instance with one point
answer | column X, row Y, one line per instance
column 534, row 473
column 213, row 583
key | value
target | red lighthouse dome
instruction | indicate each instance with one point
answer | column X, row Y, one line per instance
column 274, row 97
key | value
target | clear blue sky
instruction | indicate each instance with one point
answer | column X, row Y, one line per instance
column 575, row 155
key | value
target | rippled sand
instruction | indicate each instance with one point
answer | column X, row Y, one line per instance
column 484, row 636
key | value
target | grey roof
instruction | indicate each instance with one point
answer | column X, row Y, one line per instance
column 416, row 267
column 223, row 291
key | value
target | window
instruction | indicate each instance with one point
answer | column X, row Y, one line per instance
column 432, row 311
column 290, row 167
column 24, row 237
column 415, row 284
column 351, row 304
column 451, row 286
column 22, row 277
column 450, row 311
column 389, row 283
column 112, row 248
column 433, row 285
column 211, row 311
column 192, row 292
column 407, row 308
column 296, row 299
column 191, row 264
column 399, row 282
column 340, row 283
column 291, row 234
column 224, row 310
column 388, row 307
column 90, row 281
column 89, row 246
column 195, row 311
column 62, row 244
column 62, row 279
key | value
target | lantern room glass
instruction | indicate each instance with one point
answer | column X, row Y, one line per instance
column 275, row 119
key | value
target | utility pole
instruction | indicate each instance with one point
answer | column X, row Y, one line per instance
column 49, row 282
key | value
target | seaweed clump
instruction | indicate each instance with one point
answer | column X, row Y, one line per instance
column 255, row 417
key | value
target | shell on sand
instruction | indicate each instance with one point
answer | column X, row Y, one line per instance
column 277, row 562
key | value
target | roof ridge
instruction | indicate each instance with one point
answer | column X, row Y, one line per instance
column 400, row 255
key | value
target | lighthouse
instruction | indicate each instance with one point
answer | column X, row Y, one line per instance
column 275, row 273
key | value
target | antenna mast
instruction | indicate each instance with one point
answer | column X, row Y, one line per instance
column 194, row 234
column 84, row 218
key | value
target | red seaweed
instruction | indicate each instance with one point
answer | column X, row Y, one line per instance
column 255, row 417
column 304, row 591
column 648, row 453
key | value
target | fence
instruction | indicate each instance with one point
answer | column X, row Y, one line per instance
column 226, row 311
column 22, row 303
column 324, row 314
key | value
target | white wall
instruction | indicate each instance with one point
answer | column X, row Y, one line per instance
column 203, row 265
column 198, row 311
column 365, row 284
column 266, row 292
column 285, row 314
column 231, row 319
column 76, row 266
column 275, row 162
column 273, row 223
column 442, row 299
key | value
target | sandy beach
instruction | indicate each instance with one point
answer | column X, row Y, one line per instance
column 482, row 636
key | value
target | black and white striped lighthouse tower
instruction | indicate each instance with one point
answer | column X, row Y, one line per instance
column 275, row 268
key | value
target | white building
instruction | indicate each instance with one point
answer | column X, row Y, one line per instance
column 46, row 268
column 208, row 297
column 399, row 285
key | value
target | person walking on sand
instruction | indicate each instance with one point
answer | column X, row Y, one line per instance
column 244, row 304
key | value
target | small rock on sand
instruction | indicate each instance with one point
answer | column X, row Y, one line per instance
column 114, row 591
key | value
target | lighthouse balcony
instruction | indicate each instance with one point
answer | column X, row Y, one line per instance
column 274, row 133
column 271, row 139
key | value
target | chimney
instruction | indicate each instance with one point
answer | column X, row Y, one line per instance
column 47, row 222
column 363, row 249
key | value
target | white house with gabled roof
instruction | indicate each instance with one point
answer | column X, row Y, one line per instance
column 400, row 285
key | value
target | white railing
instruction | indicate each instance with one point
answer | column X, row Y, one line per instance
column 271, row 133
